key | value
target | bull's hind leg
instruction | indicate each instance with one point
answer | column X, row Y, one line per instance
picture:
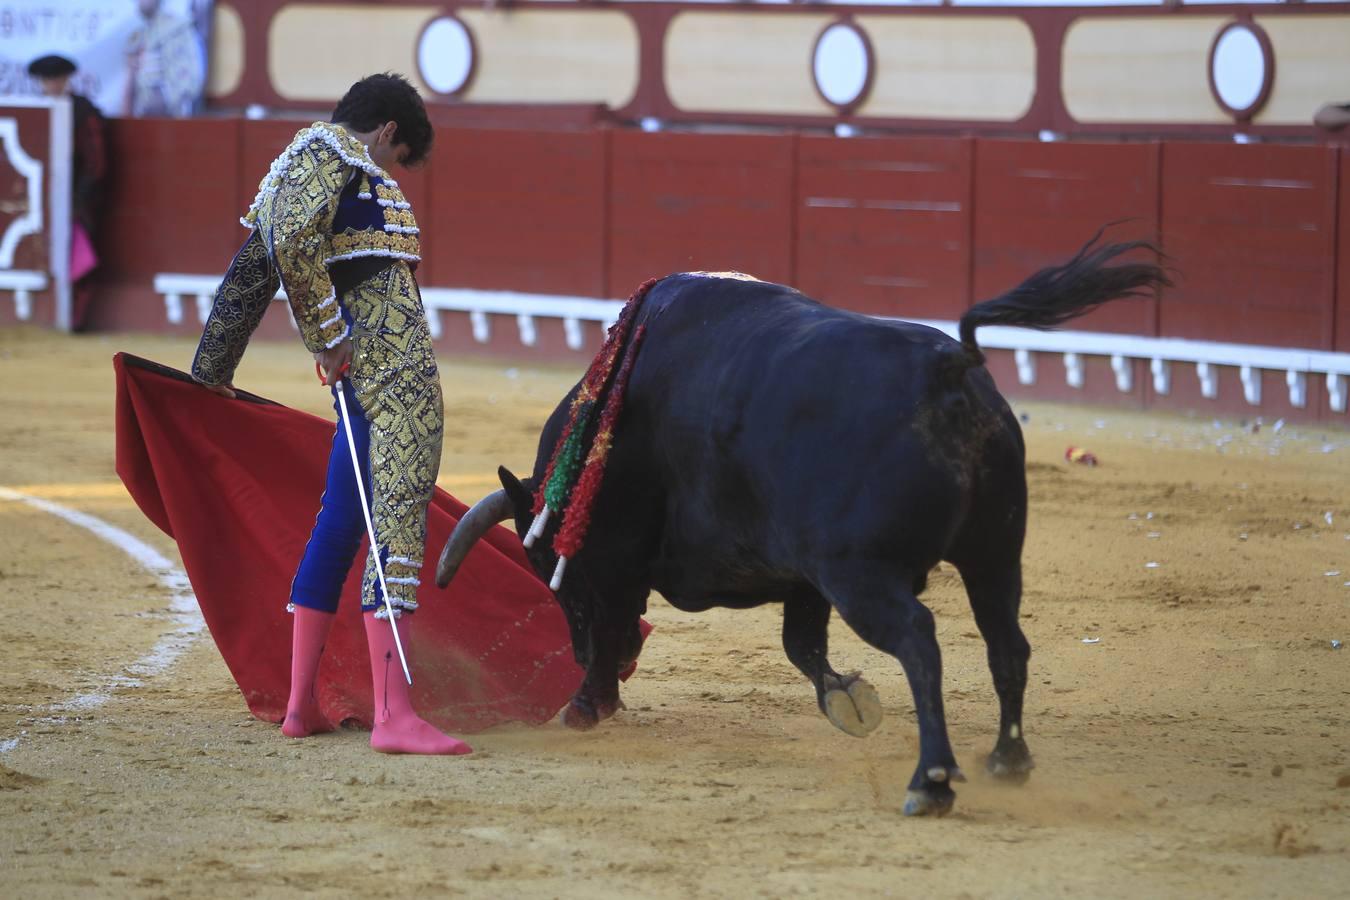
column 882, row 608
column 995, row 595
column 849, row 702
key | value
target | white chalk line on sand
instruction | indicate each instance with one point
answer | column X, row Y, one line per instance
column 182, row 610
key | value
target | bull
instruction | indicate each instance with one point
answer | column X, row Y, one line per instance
column 773, row 449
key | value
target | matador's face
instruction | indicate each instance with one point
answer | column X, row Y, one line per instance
column 385, row 150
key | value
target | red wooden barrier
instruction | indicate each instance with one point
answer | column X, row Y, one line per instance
column 1253, row 228
column 1036, row 203
column 682, row 202
column 1342, row 324
column 915, row 227
column 173, row 204
column 518, row 210
column 883, row 225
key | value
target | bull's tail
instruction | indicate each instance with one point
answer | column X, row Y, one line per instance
column 1057, row 294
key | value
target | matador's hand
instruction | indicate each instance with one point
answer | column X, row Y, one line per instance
column 334, row 361
column 224, row 390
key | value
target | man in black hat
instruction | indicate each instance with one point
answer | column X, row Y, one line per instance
column 87, row 175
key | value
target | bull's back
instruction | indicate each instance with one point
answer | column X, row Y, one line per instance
column 781, row 428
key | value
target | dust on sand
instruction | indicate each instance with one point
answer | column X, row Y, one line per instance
column 1200, row 747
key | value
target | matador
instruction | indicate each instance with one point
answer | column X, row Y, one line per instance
column 331, row 227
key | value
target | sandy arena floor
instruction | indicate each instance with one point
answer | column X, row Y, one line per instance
column 1200, row 748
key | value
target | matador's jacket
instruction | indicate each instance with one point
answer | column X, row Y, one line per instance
column 335, row 231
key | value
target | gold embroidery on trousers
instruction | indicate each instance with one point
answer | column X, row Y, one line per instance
column 397, row 384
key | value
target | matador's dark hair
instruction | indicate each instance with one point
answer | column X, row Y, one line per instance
column 377, row 99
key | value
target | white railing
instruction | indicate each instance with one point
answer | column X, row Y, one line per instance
column 478, row 304
column 1249, row 359
column 1161, row 353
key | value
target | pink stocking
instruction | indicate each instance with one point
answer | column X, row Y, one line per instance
column 397, row 728
column 309, row 631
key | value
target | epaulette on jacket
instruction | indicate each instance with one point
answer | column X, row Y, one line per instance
column 320, row 140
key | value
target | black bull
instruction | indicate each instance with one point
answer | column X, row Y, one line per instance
column 772, row 449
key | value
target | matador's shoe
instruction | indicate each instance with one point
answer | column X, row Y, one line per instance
column 397, row 728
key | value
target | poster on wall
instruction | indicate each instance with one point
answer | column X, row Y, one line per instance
column 134, row 57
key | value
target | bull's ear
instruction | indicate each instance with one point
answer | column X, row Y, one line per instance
column 522, row 498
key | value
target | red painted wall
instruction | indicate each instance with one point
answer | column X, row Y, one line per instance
column 173, row 205
column 693, row 202
column 518, row 210
column 1253, row 229
column 883, row 224
column 1037, row 203
column 1342, row 314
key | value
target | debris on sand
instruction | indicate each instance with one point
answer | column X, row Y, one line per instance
column 1079, row 455
column 1092, row 640
column 1292, row 840
column 11, row 780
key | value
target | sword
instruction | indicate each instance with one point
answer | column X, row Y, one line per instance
column 365, row 511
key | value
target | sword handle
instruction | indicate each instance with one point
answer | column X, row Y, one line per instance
column 323, row 379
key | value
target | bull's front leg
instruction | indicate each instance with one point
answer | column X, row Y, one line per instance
column 598, row 697
column 850, row 703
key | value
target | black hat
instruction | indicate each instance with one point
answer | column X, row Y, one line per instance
column 52, row 66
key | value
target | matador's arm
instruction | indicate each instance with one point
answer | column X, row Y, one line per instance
column 301, row 242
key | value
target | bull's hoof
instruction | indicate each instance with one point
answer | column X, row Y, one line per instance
column 578, row 719
column 930, row 793
column 856, row 711
column 581, row 714
column 935, row 801
column 1010, row 762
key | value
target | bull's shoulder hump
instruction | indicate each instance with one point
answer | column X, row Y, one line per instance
column 734, row 276
column 729, row 284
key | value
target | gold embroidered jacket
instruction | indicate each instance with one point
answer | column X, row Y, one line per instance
column 293, row 240
column 294, row 214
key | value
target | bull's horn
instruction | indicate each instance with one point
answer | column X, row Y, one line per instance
column 492, row 509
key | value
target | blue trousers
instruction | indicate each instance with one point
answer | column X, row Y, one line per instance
column 340, row 525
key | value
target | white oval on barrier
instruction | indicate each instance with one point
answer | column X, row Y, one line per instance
column 842, row 64
column 1239, row 68
column 445, row 55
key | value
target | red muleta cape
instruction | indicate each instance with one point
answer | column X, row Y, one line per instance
column 237, row 483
